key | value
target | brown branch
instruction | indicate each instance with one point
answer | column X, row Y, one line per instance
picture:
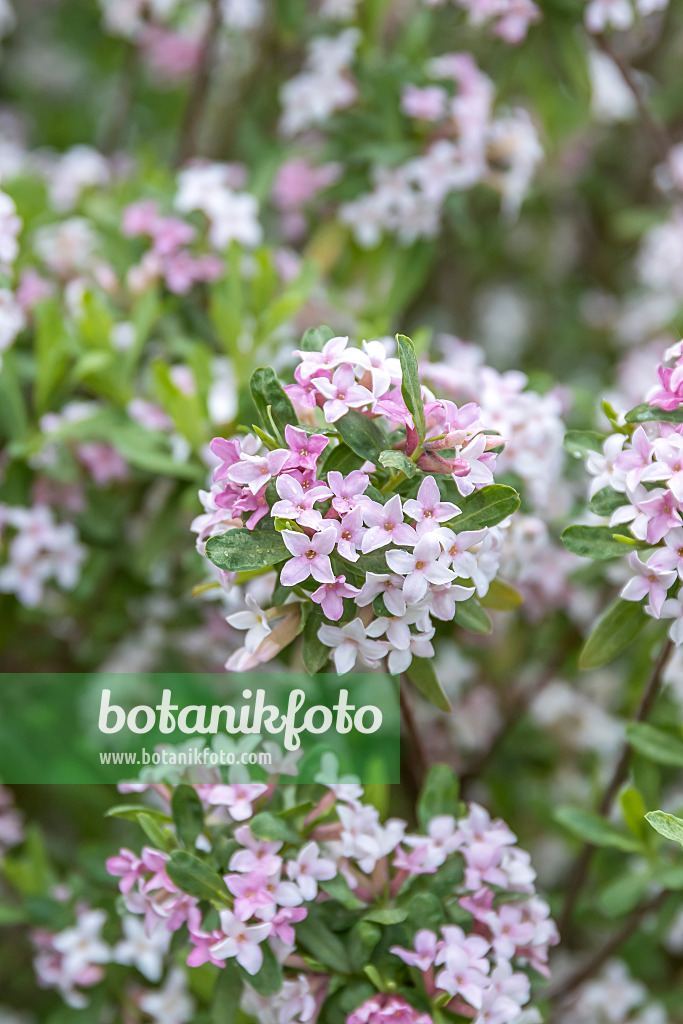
column 419, row 762
column 189, row 131
column 603, row 953
column 652, row 125
column 579, row 871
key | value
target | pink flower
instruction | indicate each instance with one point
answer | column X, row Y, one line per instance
column 241, row 941
column 428, row 510
column 386, row 525
column 283, row 921
column 342, row 393
column 387, row 1009
column 350, row 534
column 305, row 449
column 238, row 797
column 390, row 586
column 427, row 104
column 330, row 597
column 252, row 898
column 257, row 855
column 421, row 566
column 297, row 503
column 347, row 491
column 312, row 363
column 126, row 866
column 350, row 641
column 465, row 965
column 424, row 952
column 309, row 868
column 649, row 582
column 311, row 557
column 256, row 470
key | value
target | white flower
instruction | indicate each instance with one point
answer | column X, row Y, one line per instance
column 171, row 1004
column 82, row 944
column 138, row 949
column 254, row 620
column 350, row 641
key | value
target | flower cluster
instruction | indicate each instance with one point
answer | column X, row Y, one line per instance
column 342, row 851
column 619, row 14
column 640, row 470
column 386, row 542
column 466, row 145
column 38, row 551
column 11, row 822
column 510, row 19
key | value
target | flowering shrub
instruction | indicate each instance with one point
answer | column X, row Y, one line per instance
column 361, row 510
column 222, row 177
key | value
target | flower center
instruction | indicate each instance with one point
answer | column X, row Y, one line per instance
column 419, row 566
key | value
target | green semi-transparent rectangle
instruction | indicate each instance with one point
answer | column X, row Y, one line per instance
column 51, row 728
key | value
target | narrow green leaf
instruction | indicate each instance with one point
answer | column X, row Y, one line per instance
column 410, row 384
column 668, row 825
column 242, row 550
column 195, row 877
column 314, row 652
column 391, row 459
column 323, row 945
column 470, row 615
column 648, row 413
column 655, row 744
column 227, row 993
column 315, row 338
column 439, row 794
column 272, row 828
column 486, row 507
column 422, row 674
column 188, row 814
column 501, row 597
column 159, row 837
column 581, row 443
column 606, row 501
column 362, row 435
column 620, row 624
column 594, row 829
column 267, row 392
column 597, row 542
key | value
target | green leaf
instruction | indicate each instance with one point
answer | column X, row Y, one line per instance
column 268, row 980
column 242, row 550
column 633, row 809
column 51, row 350
column 620, row 624
column 421, row 672
column 606, row 501
column 133, row 811
column 362, row 435
column 501, row 597
column 339, row 889
column 13, row 412
column 647, row 413
column 410, row 384
column 386, row 915
column 342, row 460
column 314, row 652
column 470, row 615
column 486, row 507
column 188, row 814
column 227, row 993
column 159, row 837
column 668, row 825
column 323, row 945
column 195, row 877
column 362, row 940
column 581, row 443
column 625, row 893
column 315, row 338
column 655, row 744
column 594, row 829
column 185, row 410
column 272, row 828
column 597, row 542
column 267, row 392
column 439, row 794
column 391, row 459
